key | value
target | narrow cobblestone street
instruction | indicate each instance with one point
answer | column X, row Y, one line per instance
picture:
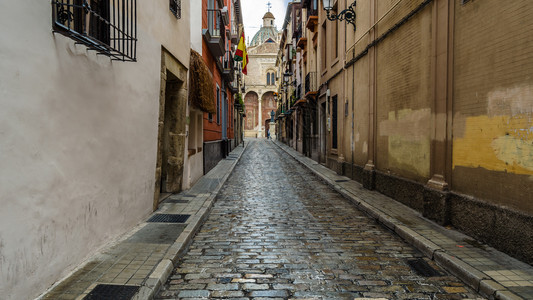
column 276, row 231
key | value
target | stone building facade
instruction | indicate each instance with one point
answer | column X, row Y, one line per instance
column 422, row 102
column 91, row 131
column 261, row 80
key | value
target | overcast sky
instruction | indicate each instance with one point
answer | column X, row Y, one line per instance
column 254, row 10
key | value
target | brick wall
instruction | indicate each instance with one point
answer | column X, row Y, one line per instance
column 493, row 102
column 403, row 94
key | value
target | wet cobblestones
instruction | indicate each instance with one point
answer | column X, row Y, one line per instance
column 277, row 232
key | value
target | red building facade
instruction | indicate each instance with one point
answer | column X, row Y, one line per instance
column 220, row 23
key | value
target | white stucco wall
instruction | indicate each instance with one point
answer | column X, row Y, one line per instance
column 196, row 25
column 78, row 141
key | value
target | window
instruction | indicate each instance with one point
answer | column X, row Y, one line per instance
column 175, row 8
column 109, row 29
column 218, row 105
column 271, row 78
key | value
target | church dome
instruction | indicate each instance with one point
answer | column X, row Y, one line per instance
column 267, row 33
column 264, row 34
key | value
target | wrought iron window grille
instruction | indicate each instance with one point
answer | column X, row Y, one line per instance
column 175, row 8
column 108, row 27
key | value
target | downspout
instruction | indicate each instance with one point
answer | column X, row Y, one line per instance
column 353, row 113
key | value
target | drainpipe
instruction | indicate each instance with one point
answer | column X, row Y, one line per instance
column 352, row 145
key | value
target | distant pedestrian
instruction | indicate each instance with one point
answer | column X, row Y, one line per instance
column 268, row 134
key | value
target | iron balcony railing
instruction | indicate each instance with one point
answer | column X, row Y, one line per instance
column 298, row 32
column 234, row 31
column 312, row 7
column 108, row 27
column 228, row 66
column 215, row 24
column 215, row 33
column 229, row 63
column 310, row 82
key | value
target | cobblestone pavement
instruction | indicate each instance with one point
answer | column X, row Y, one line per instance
column 276, row 231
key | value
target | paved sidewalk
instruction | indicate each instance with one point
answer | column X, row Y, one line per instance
column 137, row 265
column 485, row 269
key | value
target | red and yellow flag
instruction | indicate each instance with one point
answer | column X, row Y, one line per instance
column 241, row 54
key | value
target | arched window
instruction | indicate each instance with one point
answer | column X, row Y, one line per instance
column 268, row 78
column 273, row 78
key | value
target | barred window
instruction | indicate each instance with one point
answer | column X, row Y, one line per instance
column 106, row 26
column 175, row 8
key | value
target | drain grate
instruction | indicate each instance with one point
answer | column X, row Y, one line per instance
column 168, row 218
column 112, row 292
column 421, row 267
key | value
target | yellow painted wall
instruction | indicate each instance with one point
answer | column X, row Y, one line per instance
column 493, row 102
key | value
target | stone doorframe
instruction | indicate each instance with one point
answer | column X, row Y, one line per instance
column 173, row 81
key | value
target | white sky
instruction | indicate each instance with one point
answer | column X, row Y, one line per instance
column 254, row 10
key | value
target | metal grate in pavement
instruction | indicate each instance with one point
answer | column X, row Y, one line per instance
column 112, row 292
column 168, row 218
column 421, row 267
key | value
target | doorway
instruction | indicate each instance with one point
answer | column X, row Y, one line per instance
column 322, row 133
column 171, row 129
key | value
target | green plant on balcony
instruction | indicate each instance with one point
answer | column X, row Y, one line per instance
column 239, row 99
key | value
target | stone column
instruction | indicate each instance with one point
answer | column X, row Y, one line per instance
column 260, row 119
column 436, row 190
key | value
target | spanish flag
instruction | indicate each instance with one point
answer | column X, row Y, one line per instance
column 241, row 54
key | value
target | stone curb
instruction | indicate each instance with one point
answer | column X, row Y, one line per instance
column 468, row 274
column 164, row 269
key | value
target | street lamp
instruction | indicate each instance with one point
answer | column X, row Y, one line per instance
column 287, row 75
column 347, row 14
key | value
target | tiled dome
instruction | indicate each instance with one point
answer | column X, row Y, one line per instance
column 263, row 35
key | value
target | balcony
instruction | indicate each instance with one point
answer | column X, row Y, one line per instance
column 101, row 26
column 215, row 33
column 234, row 33
column 312, row 14
column 311, row 86
column 298, row 32
column 234, row 88
column 302, row 42
column 228, row 67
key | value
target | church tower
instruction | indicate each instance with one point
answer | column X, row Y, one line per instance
column 268, row 20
